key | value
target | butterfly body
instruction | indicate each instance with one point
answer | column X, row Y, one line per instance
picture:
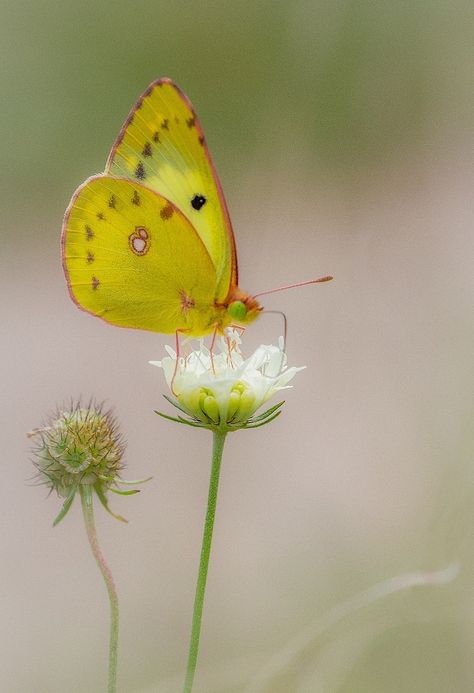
column 148, row 244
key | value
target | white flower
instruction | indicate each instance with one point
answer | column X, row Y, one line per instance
column 224, row 388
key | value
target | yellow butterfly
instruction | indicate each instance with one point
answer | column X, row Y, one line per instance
column 148, row 244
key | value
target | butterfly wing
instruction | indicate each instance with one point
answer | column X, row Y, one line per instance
column 133, row 259
column 162, row 145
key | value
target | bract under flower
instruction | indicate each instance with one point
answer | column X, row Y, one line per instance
column 225, row 388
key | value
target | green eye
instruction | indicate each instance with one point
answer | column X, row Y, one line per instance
column 237, row 310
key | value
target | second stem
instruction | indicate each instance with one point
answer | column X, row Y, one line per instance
column 88, row 512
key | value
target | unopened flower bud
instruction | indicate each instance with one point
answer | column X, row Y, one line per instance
column 80, row 446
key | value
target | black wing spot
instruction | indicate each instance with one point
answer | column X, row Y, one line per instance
column 165, row 124
column 156, row 137
column 197, row 202
column 112, row 201
column 136, row 199
column 140, row 171
column 147, row 150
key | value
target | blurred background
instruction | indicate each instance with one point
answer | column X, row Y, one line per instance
column 342, row 133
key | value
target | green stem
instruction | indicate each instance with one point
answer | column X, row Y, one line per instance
column 217, row 448
column 88, row 512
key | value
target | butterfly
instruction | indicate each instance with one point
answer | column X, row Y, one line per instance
column 148, row 243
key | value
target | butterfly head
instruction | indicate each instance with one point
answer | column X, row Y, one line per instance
column 241, row 307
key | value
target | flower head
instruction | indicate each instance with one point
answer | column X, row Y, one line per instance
column 224, row 390
column 80, row 446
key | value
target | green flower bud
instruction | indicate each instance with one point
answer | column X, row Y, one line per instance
column 234, row 404
column 211, row 408
column 247, row 404
column 80, row 446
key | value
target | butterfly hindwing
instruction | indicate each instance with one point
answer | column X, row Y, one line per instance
column 133, row 259
column 162, row 146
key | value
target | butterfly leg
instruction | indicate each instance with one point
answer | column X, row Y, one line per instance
column 239, row 327
column 211, row 349
column 177, row 360
column 230, row 345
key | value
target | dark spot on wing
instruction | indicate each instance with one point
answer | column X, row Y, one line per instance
column 101, row 216
column 191, row 122
column 166, row 212
column 165, row 124
column 112, row 201
column 156, row 137
column 197, row 202
column 147, row 150
column 89, row 233
column 140, row 171
column 95, row 283
column 135, row 198
column 201, row 140
column 186, row 302
column 90, row 257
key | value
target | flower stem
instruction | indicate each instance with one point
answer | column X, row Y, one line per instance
column 217, row 448
column 88, row 512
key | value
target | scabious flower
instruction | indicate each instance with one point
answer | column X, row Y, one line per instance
column 80, row 447
column 223, row 390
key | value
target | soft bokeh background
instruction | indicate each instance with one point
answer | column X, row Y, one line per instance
column 342, row 132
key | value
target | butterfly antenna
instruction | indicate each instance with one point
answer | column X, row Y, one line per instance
column 293, row 286
column 285, row 324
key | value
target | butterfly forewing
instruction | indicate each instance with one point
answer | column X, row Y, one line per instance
column 162, row 146
column 134, row 260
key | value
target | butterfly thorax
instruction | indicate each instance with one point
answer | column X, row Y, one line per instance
column 239, row 309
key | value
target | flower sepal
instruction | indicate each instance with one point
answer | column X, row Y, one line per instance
column 226, row 426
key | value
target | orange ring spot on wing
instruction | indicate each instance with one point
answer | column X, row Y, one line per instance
column 139, row 241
